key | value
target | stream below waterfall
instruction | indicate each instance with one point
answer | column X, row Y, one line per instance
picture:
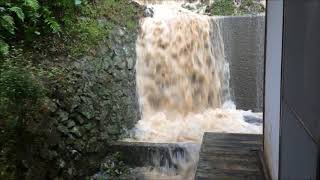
column 183, row 85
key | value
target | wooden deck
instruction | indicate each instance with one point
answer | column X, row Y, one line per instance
column 230, row 157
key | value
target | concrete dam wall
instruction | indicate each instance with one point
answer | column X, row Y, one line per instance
column 244, row 49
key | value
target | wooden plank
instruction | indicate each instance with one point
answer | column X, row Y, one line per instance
column 229, row 178
column 230, row 156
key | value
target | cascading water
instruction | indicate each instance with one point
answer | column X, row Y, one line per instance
column 183, row 80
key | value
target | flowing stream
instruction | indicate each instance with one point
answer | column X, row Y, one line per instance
column 183, row 82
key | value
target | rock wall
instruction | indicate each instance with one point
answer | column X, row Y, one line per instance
column 92, row 103
column 244, row 49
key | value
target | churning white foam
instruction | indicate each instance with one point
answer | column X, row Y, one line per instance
column 159, row 128
column 183, row 78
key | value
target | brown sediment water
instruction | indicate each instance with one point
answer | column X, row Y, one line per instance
column 183, row 83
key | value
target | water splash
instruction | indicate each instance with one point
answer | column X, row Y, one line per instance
column 183, row 81
column 183, row 78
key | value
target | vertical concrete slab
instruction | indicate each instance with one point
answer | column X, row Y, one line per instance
column 298, row 151
column 243, row 38
column 272, row 85
column 301, row 62
column 300, row 124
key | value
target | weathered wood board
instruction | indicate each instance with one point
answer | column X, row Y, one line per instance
column 225, row 156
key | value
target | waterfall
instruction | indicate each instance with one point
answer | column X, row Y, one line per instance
column 183, row 79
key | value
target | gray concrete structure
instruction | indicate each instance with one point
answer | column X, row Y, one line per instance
column 272, row 86
column 292, row 126
column 300, row 87
column 244, row 49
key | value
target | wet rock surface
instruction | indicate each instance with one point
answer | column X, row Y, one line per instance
column 145, row 161
column 257, row 120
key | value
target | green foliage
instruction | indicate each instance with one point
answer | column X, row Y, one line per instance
column 14, row 84
column 7, row 23
column 228, row 8
column 119, row 11
column 29, row 30
column 89, row 32
column 17, row 84
column 20, row 91
column 25, row 20
column 96, row 21
column 20, row 97
column 79, row 23
column 250, row 7
column 33, row 4
column 4, row 47
column 50, row 21
column 223, row 7
column 18, row 11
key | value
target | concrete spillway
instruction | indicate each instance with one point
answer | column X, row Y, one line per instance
column 243, row 38
column 195, row 74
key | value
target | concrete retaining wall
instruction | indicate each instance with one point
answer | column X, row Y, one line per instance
column 244, row 49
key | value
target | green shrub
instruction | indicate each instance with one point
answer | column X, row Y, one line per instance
column 250, row 7
column 20, row 96
column 95, row 21
column 228, row 8
column 27, row 19
column 17, row 84
column 223, row 7
column 120, row 12
column 61, row 23
column 85, row 35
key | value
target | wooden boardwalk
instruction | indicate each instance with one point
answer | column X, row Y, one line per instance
column 230, row 157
